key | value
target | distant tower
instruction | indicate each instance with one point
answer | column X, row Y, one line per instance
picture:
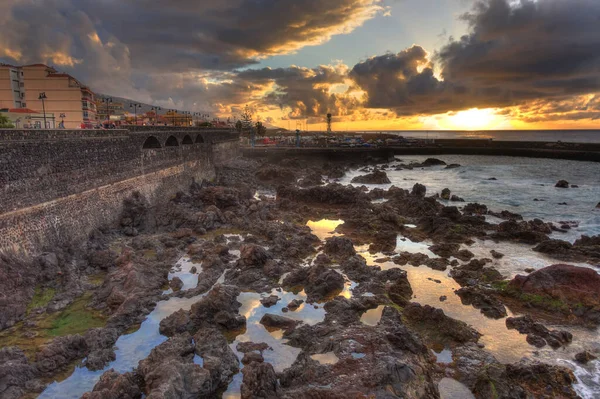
column 328, row 123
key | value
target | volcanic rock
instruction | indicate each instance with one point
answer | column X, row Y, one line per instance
column 377, row 177
column 562, row 184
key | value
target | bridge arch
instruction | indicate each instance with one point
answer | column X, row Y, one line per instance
column 187, row 140
column 172, row 142
column 151, row 142
column 199, row 139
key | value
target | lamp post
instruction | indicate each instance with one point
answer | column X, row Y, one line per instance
column 156, row 109
column 107, row 100
column 62, row 120
column 43, row 97
column 135, row 108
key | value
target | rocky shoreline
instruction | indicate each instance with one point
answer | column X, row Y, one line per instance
column 73, row 303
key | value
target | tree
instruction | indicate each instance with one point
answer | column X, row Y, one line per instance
column 261, row 130
column 239, row 126
column 247, row 119
column 5, row 123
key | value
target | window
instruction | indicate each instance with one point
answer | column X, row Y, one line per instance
column 24, row 105
column 85, row 114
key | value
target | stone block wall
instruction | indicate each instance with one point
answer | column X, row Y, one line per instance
column 57, row 186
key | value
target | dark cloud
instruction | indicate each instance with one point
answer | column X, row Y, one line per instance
column 515, row 52
column 305, row 92
column 183, row 35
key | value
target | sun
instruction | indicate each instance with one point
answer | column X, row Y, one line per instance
column 472, row 119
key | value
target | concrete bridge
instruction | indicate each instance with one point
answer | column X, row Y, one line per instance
column 58, row 185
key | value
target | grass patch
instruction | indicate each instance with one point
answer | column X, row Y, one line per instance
column 501, row 285
column 74, row 319
column 41, row 298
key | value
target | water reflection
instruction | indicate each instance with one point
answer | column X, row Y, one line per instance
column 325, row 358
column 281, row 356
column 372, row 316
column 451, row 389
column 324, row 228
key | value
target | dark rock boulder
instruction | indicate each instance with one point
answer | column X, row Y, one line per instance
column 269, row 301
column 15, row 372
column 218, row 357
column 433, row 162
column 562, row 184
column 571, row 289
column 537, row 333
column 432, row 321
column 176, row 284
column 273, row 321
column 584, row 357
column 319, row 282
column 419, row 190
column 60, row 353
column 489, row 305
column 253, row 256
column 339, row 247
column 446, row 194
column 100, row 343
column 169, row 371
column 377, row 177
column 113, row 385
column 260, row 381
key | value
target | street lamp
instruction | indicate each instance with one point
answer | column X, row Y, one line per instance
column 107, row 100
column 43, row 97
column 155, row 109
column 62, row 120
column 135, row 108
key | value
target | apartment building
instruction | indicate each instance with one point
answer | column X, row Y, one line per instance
column 71, row 103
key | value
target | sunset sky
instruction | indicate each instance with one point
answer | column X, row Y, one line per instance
column 374, row 64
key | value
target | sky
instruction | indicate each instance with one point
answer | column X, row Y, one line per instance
column 372, row 64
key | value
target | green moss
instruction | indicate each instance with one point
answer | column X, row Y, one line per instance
column 97, row 279
column 41, row 298
column 545, row 302
column 500, row 285
column 76, row 319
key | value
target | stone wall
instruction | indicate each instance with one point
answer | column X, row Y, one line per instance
column 59, row 185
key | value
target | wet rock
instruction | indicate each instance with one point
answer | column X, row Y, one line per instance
column 193, row 270
column 419, row 190
column 274, row 173
column 496, row 255
column 506, row 215
column 100, row 343
column 253, row 256
column 274, row 321
column 565, row 288
column 176, row 284
column 433, row 162
column 464, row 255
column 456, row 198
column 294, row 304
column 537, row 334
column 332, row 194
column 260, row 381
column 218, row 357
column 60, row 353
column 339, row 247
column 176, row 323
column 430, row 320
column 169, row 370
column 269, row 301
column 475, row 272
column 377, row 177
column 443, row 298
column 446, row 194
column 312, row 179
column 562, row 184
column 245, row 347
column 445, row 249
column 584, row 249
column 489, row 305
column 584, row 357
column 252, row 357
column 15, row 372
column 113, row 385
column 319, row 282
column 475, row 209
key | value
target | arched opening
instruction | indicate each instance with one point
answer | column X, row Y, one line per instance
column 172, row 142
column 152, row 142
column 199, row 139
column 187, row 140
